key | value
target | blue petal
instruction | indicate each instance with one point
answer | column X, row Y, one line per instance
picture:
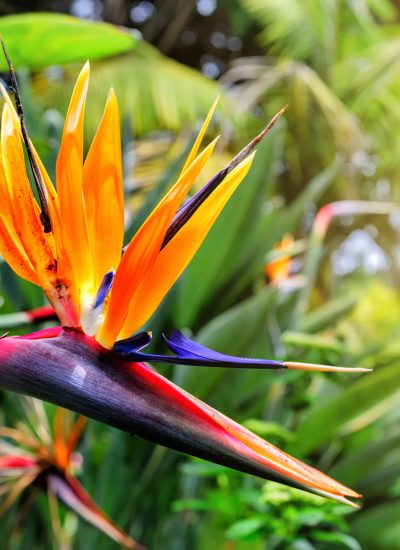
column 104, row 288
column 191, row 353
column 188, row 349
column 132, row 344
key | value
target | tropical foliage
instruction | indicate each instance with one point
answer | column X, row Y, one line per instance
column 336, row 64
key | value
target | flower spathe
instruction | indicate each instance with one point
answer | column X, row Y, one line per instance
column 71, row 245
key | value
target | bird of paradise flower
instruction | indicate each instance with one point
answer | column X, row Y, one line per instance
column 36, row 455
column 70, row 244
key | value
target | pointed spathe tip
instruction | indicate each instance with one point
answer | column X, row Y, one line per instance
column 255, row 141
column 341, row 498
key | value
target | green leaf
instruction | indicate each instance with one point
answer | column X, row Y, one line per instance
column 369, row 458
column 379, row 527
column 311, row 341
column 327, row 315
column 37, row 40
column 354, row 407
column 244, row 528
column 337, row 538
column 237, row 328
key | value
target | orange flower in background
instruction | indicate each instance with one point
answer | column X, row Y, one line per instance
column 36, row 455
column 280, row 266
column 279, row 270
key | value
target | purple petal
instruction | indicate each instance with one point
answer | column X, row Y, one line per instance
column 187, row 210
column 191, row 353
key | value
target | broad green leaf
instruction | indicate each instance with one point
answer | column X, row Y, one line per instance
column 327, row 314
column 38, row 40
column 237, row 328
column 337, row 538
column 378, row 527
column 371, row 457
column 356, row 406
column 245, row 528
column 311, row 341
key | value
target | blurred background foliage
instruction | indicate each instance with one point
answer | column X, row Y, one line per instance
column 328, row 294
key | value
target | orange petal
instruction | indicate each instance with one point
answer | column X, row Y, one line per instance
column 22, row 207
column 51, row 192
column 13, row 253
column 58, row 288
column 10, row 245
column 103, row 192
column 69, row 171
column 75, row 434
column 199, row 139
column 138, row 259
column 176, row 255
column 53, row 238
column 60, row 445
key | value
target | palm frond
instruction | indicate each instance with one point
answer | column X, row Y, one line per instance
column 154, row 92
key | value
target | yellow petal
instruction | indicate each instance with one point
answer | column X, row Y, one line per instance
column 199, row 139
column 137, row 262
column 176, row 255
column 75, row 253
column 103, row 192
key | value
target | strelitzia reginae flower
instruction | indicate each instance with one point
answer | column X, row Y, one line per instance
column 39, row 455
column 70, row 243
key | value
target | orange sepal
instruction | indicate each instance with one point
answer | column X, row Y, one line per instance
column 22, row 208
column 138, row 260
column 103, row 192
column 176, row 255
column 10, row 245
column 194, row 150
column 66, row 436
column 74, row 254
column 15, row 256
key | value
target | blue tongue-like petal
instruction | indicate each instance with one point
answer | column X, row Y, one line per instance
column 189, row 352
column 133, row 344
column 104, row 288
